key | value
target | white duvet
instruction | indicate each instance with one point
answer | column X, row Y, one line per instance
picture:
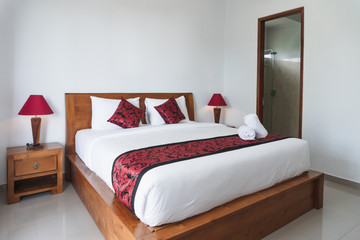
column 176, row 191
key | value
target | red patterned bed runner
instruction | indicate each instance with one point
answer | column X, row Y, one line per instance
column 129, row 167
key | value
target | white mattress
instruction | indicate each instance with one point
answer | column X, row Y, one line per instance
column 176, row 191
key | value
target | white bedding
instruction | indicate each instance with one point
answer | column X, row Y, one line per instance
column 176, row 191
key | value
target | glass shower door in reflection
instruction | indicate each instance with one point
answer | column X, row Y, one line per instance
column 269, row 91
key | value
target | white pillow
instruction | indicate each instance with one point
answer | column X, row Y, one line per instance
column 103, row 109
column 152, row 115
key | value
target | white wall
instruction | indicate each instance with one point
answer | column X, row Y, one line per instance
column 51, row 47
column 331, row 109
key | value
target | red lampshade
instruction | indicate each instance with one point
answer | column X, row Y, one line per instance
column 217, row 100
column 36, row 105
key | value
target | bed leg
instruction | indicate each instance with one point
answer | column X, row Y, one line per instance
column 67, row 170
column 319, row 192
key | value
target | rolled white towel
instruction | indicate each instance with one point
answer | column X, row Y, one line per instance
column 246, row 133
column 252, row 121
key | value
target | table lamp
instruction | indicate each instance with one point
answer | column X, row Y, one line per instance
column 217, row 100
column 35, row 105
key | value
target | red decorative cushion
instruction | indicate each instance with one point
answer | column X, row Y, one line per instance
column 170, row 111
column 126, row 115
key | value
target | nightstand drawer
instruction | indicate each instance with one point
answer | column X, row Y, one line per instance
column 36, row 165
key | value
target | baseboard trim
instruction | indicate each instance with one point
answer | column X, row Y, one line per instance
column 3, row 188
column 342, row 181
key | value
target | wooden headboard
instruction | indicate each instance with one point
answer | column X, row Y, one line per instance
column 78, row 110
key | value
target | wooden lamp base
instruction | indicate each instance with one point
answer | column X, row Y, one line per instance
column 34, row 147
column 35, row 125
column 217, row 112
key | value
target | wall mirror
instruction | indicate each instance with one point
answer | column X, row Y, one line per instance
column 280, row 72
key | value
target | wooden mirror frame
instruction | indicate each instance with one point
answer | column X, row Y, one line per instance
column 260, row 62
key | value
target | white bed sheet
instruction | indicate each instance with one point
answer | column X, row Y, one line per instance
column 176, row 191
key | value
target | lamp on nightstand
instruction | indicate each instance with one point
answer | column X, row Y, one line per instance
column 217, row 100
column 35, row 105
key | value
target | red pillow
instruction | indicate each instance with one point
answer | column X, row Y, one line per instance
column 126, row 115
column 170, row 111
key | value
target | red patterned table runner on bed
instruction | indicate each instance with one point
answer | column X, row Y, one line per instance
column 129, row 167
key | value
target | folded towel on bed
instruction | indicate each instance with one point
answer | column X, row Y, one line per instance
column 246, row 133
column 252, row 121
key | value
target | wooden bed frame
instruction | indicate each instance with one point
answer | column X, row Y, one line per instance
column 249, row 217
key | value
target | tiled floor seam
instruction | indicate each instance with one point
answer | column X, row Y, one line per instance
column 342, row 237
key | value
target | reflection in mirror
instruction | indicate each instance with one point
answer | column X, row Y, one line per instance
column 281, row 86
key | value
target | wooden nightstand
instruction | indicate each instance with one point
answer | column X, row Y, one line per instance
column 34, row 171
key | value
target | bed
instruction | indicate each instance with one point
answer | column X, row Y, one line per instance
column 250, row 217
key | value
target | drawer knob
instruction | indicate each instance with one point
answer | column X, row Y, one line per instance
column 36, row 165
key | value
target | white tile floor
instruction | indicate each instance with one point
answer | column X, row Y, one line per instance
column 63, row 216
column 45, row 216
column 339, row 218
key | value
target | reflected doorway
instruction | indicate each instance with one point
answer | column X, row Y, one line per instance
column 280, row 65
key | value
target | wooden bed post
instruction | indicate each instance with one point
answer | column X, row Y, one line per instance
column 319, row 192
